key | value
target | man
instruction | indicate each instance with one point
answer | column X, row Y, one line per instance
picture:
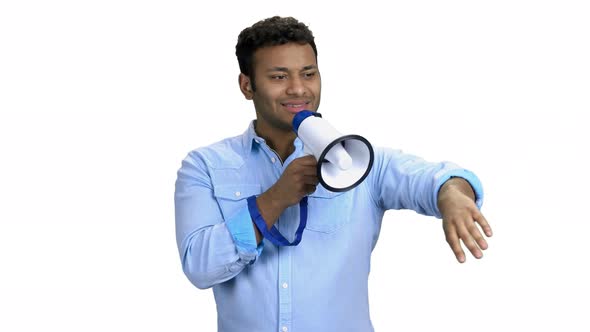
column 321, row 284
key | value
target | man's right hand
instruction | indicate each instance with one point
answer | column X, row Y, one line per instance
column 298, row 180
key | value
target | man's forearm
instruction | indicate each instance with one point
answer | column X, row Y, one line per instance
column 270, row 210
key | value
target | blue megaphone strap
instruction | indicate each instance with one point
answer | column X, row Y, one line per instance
column 273, row 235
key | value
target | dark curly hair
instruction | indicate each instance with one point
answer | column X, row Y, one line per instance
column 270, row 32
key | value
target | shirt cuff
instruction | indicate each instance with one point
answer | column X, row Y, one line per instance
column 241, row 230
column 467, row 176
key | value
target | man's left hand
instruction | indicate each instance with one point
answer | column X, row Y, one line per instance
column 456, row 202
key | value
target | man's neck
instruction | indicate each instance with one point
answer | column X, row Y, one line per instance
column 281, row 141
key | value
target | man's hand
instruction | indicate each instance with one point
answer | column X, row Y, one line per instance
column 456, row 203
column 298, row 180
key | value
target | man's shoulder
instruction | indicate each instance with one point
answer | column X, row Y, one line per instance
column 226, row 153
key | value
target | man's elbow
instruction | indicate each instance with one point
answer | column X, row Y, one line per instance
column 200, row 281
column 200, row 277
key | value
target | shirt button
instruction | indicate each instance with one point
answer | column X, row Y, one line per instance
column 285, row 329
column 285, row 285
column 273, row 159
column 238, row 194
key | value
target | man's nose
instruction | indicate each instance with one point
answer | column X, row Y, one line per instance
column 296, row 87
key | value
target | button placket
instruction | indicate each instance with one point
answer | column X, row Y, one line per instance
column 285, row 299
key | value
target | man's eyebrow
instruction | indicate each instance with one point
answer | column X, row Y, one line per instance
column 285, row 69
column 278, row 69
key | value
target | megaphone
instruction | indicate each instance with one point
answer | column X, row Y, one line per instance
column 344, row 161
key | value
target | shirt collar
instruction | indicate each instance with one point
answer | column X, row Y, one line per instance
column 249, row 137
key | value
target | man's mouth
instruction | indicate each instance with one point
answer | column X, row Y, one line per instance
column 296, row 106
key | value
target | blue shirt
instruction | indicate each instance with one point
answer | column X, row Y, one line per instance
column 319, row 285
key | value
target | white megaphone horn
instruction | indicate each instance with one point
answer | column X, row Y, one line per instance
column 344, row 161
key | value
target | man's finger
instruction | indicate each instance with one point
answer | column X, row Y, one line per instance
column 310, row 189
column 454, row 243
column 308, row 160
column 309, row 170
column 481, row 220
column 468, row 239
column 311, row 180
column 476, row 235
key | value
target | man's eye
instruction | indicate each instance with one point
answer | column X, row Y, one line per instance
column 308, row 75
column 279, row 77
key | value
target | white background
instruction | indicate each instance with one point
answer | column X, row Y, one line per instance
column 101, row 100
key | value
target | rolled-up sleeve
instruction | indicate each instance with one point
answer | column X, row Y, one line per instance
column 212, row 250
column 242, row 231
column 403, row 181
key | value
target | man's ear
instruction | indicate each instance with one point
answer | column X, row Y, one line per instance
column 245, row 86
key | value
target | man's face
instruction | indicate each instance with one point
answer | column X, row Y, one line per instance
column 287, row 81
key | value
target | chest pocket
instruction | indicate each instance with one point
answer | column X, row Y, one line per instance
column 231, row 198
column 328, row 211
